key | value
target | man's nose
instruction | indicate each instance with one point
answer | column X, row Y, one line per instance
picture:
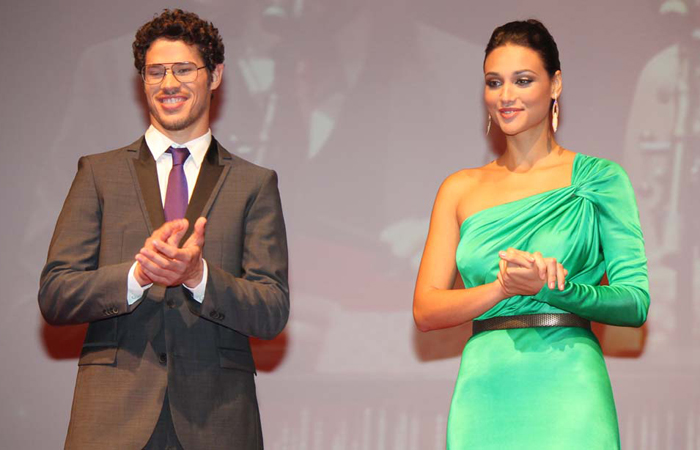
column 169, row 81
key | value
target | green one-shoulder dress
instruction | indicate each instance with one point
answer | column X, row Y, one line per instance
column 548, row 388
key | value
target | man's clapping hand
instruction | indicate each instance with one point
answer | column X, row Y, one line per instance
column 162, row 261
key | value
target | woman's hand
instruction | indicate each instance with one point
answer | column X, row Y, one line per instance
column 523, row 273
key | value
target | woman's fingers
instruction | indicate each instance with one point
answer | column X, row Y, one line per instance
column 556, row 274
column 551, row 272
column 519, row 270
column 541, row 264
column 518, row 257
column 561, row 276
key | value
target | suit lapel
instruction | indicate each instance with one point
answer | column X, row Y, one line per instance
column 215, row 167
column 146, row 181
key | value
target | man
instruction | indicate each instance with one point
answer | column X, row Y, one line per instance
column 166, row 361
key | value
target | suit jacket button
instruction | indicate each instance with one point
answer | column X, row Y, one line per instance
column 221, row 316
column 213, row 314
column 163, row 358
column 170, row 303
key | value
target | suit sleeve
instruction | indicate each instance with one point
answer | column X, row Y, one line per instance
column 257, row 303
column 625, row 301
column 73, row 287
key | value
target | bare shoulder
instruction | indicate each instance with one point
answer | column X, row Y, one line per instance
column 453, row 188
column 462, row 181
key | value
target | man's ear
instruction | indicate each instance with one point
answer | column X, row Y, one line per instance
column 216, row 76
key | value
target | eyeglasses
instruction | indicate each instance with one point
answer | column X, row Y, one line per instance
column 184, row 72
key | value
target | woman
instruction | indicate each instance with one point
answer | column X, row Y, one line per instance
column 533, row 233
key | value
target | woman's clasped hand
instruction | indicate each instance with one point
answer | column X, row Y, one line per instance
column 524, row 273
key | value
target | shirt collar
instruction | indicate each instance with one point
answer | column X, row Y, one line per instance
column 158, row 143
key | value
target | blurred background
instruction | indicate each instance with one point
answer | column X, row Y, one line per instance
column 363, row 108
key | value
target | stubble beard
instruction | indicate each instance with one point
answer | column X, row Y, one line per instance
column 179, row 124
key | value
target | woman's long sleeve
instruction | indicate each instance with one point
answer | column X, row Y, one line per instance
column 626, row 300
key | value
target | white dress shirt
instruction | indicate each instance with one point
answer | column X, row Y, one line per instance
column 158, row 143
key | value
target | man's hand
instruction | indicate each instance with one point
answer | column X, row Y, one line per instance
column 162, row 261
column 169, row 232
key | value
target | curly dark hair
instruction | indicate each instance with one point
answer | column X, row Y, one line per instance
column 531, row 34
column 179, row 25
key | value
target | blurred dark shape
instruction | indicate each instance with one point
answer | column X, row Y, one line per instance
column 276, row 20
column 441, row 344
column 679, row 17
column 305, row 18
column 269, row 354
column 66, row 342
column 63, row 342
column 621, row 342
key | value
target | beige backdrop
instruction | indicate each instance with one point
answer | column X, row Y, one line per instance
column 363, row 108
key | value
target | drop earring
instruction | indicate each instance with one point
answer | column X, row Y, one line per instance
column 488, row 126
column 555, row 115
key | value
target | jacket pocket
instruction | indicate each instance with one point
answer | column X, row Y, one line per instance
column 94, row 355
column 230, row 339
column 100, row 346
column 230, row 358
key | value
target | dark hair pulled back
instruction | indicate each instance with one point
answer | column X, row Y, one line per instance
column 531, row 34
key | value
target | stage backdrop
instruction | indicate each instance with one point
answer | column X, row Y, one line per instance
column 363, row 107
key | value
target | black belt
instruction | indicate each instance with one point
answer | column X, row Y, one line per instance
column 530, row 321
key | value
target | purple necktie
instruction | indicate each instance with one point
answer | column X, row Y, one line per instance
column 176, row 194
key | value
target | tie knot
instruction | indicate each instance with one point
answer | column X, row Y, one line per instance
column 179, row 155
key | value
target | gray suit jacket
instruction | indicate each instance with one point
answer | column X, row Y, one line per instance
column 199, row 352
